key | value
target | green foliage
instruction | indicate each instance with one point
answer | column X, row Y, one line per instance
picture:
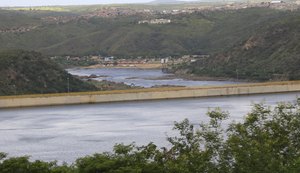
column 126, row 158
column 105, row 85
column 268, row 141
column 205, row 32
column 2, row 156
column 267, row 48
column 13, row 19
column 24, row 72
column 23, row 165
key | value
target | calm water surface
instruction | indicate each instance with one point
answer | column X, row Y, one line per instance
column 65, row 133
column 141, row 77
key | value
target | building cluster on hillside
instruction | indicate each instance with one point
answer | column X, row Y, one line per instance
column 18, row 29
column 58, row 19
column 276, row 4
column 107, row 12
column 284, row 5
column 110, row 12
column 192, row 58
column 155, row 21
column 122, row 11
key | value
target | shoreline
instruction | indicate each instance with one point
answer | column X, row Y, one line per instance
column 171, row 75
column 131, row 66
column 210, row 78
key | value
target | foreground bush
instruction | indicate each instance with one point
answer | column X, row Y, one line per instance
column 267, row 141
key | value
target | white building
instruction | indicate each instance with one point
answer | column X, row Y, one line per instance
column 107, row 59
column 276, row 2
column 156, row 21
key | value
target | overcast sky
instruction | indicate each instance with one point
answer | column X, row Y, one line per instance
column 63, row 2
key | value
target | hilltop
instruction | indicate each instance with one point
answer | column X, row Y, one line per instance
column 25, row 72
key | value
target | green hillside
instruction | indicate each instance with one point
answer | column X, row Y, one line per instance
column 271, row 53
column 11, row 19
column 23, row 72
column 202, row 32
column 121, row 36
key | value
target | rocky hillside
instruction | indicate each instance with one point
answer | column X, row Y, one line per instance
column 24, row 72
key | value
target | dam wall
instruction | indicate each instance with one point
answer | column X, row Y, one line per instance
column 147, row 94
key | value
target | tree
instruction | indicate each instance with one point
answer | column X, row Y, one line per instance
column 267, row 141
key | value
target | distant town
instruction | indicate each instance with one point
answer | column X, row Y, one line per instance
column 97, row 61
column 107, row 12
column 111, row 12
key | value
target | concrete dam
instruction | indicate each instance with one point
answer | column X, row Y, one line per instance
column 147, row 94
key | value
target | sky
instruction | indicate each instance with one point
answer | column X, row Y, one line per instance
column 6, row 3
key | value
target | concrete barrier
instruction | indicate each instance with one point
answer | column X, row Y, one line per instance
column 147, row 94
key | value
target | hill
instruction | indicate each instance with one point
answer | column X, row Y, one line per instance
column 24, row 72
column 271, row 53
column 121, row 36
column 62, row 33
column 204, row 32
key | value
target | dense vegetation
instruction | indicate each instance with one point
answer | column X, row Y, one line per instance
column 106, row 85
column 121, row 36
column 266, row 141
column 201, row 32
column 271, row 52
column 24, row 72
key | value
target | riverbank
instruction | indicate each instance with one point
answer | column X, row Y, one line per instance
column 133, row 65
column 141, row 77
column 210, row 78
column 171, row 75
